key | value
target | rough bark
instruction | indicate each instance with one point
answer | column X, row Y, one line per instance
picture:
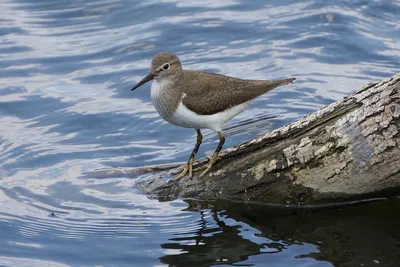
column 347, row 150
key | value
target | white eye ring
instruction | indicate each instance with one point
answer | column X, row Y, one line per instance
column 166, row 66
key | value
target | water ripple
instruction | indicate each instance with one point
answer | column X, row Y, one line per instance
column 66, row 68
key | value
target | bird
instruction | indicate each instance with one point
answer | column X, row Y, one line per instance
column 200, row 100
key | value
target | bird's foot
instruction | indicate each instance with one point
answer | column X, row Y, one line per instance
column 203, row 166
column 208, row 166
column 187, row 167
column 183, row 173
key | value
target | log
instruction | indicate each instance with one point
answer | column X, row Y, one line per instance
column 347, row 150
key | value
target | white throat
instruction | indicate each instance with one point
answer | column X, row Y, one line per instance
column 159, row 87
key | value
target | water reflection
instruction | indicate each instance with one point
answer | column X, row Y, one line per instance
column 347, row 236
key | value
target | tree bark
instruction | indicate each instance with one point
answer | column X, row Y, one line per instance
column 349, row 149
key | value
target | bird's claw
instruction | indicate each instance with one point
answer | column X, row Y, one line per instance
column 208, row 166
column 183, row 173
column 187, row 167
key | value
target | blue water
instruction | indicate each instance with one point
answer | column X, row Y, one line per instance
column 66, row 69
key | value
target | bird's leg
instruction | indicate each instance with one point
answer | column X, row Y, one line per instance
column 199, row 140
column 189, row 165
column 215, row 155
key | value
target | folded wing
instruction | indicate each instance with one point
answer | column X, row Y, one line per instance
column 212, row 93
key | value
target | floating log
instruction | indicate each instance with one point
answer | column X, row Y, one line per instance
column 349, row 149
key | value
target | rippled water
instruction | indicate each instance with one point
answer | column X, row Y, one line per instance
column 66, row 68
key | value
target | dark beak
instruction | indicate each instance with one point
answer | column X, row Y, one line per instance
column 146, row 79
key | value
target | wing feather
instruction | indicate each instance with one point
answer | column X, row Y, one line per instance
column 212, row 93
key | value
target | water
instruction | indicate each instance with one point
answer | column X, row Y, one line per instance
column 66, row 68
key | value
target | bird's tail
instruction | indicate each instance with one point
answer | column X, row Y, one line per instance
column 276, row 83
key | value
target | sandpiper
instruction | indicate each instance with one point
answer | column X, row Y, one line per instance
column 196, row 99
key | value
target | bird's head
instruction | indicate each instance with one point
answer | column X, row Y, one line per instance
column 163, row 66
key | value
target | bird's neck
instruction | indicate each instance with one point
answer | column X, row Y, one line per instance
column 166, row 94
column 161, row 87
column 167, row 85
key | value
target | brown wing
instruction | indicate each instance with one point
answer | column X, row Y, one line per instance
column 211, row 93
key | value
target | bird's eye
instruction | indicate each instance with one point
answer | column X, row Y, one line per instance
column 166, row 66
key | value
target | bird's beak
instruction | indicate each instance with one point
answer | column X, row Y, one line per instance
column 146, row 79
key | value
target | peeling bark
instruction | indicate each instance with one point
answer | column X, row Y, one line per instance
column 346, row 150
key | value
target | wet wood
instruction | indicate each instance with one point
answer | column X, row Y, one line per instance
column 116, row 172
column 346, row 150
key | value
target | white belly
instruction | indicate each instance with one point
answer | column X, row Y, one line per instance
column 184, row 117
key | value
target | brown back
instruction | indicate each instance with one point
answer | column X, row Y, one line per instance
column 210, row 93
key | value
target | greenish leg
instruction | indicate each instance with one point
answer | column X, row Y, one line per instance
column 189, row 165
column 215, row 155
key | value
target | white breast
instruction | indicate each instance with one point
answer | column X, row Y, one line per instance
column 159, row 98
column 184, row 117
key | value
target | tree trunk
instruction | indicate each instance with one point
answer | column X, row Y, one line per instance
column 349, row 149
